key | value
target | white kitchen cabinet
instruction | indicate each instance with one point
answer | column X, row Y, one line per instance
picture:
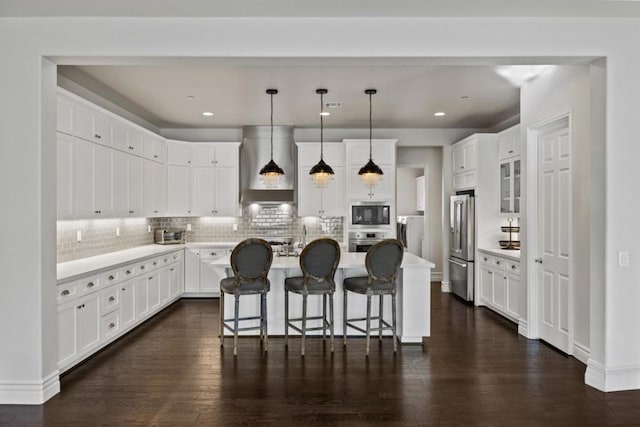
column 226, row 191
column 92, row 180
column 153, row 290
column 509, row 143
column 204, row 154
column 135, row 186
column 465, row 156
column 120, row 174
column 65, row 114
column 154, row 188
column 176, row 284
column 164, row 279
column 120, row 136
column 500, row 285
column 179, row 153
column 127, row 304
column 178, row 190
column 384, row 190
column 65, row 166
column 91, row 124
column 67, row 325
column 88, row 323
column 140, row 293
column 200, row 279
column 472, row 161
column 384, row 155
column 510, row 185
column 383, row 151
column 420, row 193
column 135, row 139
column 154, row 148
column 314, row 201
column 203, row 190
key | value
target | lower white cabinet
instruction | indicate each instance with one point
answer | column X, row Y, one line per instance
column 96, row 309
column 200, row 278
column 500, row 285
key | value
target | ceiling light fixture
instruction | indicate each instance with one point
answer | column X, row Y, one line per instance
column 439, row 114
column 207, row 113
column 370, row 174
column 321, row 173
column 324, row 113
column 271, row 172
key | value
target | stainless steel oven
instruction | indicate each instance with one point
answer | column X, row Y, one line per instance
column 361, row 241
column 369, row 214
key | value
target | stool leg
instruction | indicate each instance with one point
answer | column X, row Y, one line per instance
column 235, row 325
column 380, row 318
column 393, row 312
column 324, row 317
column 331, row 320
column 221, row 319
column 286, row 318
column 368, row 321
column 304, row 320
column 344, row 319
column 266, row 324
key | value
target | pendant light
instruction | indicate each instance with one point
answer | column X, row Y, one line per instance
column 370, row 174
column 321, row 173
column 271, row 172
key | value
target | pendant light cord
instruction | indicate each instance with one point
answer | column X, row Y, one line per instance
column 370, row 128
column 271, row 126
column 321, row 124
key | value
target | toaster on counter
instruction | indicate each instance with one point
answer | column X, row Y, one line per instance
column 169, row 236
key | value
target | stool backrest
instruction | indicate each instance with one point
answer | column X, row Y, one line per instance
column 383, row 260
column 320, row 258
column 251, row 259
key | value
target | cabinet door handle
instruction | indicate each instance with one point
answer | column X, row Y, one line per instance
column 461, row 167
column 171, row 269
column 214, row 254
column 538, row 260
column 124, row 289
column 112, row 325
column 155, row 156
column 131, row 211
column 79, row 307
column 155, row 211
column 90, row 285
column 97, row 136
column 65, row 293
column 130, row 148
column 97, row 212
column 150, row 277
column 510, row 151
column 189, row 161
column 112, row 299
column 111, row 277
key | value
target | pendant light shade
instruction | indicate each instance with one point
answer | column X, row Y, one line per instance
column 321, row 173
column 370, row 174
column 271, row 172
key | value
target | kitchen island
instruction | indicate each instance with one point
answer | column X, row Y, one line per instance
column 413, row 297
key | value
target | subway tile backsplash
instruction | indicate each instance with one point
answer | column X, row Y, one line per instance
column 99, row 236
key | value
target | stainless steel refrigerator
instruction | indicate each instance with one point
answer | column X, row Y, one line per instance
column 410, row 230
column 462, row 245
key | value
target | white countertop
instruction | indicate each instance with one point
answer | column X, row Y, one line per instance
column 504, row 253
column 71, row 270
column 225, row 245
column 347, row 260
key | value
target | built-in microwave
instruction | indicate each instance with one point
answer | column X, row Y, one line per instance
column 369, row 214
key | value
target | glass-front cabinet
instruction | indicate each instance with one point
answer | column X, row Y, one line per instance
column 510, row 186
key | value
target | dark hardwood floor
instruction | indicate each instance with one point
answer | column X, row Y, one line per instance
column 473, row 370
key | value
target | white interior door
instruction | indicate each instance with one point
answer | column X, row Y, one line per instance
column 554, row 237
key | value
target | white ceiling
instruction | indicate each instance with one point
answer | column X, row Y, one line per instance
column 323, row 8
column 408, row 94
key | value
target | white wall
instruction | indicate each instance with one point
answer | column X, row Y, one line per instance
column 557, row 91
column 26, row 359
column 406, row 190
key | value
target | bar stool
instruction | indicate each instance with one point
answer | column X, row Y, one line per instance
column 250, row 261
column 318, row 261
column 382, row 262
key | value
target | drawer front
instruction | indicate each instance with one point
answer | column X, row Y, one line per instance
column 129, row 271
column 110, row 325
column 512, row 266
column 212, row 253
column 500, row 263
column 143, row 267
column 110, row 300
column 110, row 277
column 487, row 259
column 156, row 263
column 175, row 256
column 67, row 292
column 88, row 285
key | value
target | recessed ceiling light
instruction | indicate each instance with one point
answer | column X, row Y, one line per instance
column 464, row 97
column 207, row 113
column 439, row 114
column 325, row 113
column 190, row 97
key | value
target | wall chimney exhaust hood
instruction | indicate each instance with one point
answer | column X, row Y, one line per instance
column 255, row 152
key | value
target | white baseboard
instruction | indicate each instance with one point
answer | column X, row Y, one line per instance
column 200, row 295
column 581, row 352
column 445, row 287
column 30, row 392
column 436, row 276
column 522, row 328
column 612, row 379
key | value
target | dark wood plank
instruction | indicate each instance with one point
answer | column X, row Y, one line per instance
column 474, row 370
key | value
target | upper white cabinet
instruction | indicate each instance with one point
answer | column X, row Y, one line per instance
column 65, row 182
column 465, row 167
column 92, row 180
column 384, row 155
column 314, row 201
column 154, row 184
column 203, row 178
column 420, row 193
column 510, row 170
column 154, row 148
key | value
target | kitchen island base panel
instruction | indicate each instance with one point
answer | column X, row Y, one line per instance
column 413, row 302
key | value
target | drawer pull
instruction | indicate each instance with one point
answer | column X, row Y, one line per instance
column 65, row 293
column 112, row 325
column 172, row 269
column 124, row 289
column 90, row 285
column 497, row 262
column 131, row 211
column 175, row 257
column 111, row 277
column 513, row 267
column 150, row 277
column 166, row 260
column 127, row 272
column 485, row 259
column 142, row 267
column 155, row 262
column 97, row 212
column 214, row 253
column 112, row 299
